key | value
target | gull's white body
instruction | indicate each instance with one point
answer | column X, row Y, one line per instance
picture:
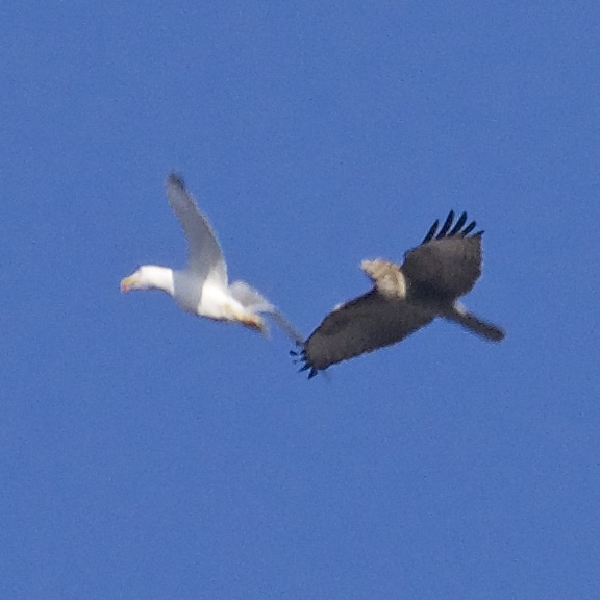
column 202, row 287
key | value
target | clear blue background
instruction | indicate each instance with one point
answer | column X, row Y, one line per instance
column 148, row 455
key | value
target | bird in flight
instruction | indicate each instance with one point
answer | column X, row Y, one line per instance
column 445, row 266
column 202, row 287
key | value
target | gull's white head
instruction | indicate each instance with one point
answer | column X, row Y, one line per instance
column 147, row 278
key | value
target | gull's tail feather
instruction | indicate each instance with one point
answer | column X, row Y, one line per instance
column 255, row 302
column 461, row 315
column 263, row 328
column 249, row 297
column 286, row 326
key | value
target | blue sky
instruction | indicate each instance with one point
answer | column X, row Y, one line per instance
column 145, row 454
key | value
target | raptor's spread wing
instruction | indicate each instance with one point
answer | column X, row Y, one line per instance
column 361, row 325
column 448, row 262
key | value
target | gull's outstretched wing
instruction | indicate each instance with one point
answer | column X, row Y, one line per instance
column 205, row 257
column 361, row 325
column 250, row 298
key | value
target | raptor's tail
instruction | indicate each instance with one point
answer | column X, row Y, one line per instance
column 461, row 315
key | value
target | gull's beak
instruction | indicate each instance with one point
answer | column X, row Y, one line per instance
column 127, row 284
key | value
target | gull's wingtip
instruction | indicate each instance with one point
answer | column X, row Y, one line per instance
column 175, row 179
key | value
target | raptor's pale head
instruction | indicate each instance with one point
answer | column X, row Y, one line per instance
column 386, row 276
